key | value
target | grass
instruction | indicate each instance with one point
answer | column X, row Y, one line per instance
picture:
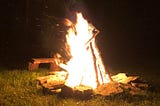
column 19, row 88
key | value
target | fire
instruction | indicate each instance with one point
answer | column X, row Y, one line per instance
column 85, row 66
column 84, row 71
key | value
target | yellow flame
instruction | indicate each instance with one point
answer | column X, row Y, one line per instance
column 84, row 56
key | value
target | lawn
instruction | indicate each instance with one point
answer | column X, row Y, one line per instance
column 19, row 88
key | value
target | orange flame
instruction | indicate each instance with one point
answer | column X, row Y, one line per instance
column 85, row 66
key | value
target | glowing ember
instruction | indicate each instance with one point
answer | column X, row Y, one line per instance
column 85, row 66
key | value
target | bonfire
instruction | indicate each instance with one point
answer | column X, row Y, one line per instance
column 85, row 69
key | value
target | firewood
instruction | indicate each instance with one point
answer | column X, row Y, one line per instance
column 56, row 84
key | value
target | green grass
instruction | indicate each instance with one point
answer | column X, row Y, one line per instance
column 19, row 88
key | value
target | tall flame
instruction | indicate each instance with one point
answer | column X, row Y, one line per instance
column 85, row 66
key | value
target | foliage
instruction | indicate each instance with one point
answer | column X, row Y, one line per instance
column 18, row 87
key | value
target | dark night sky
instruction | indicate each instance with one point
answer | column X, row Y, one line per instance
column 129, row 30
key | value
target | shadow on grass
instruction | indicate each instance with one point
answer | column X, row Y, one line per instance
column 68, row 92
column 89, row 95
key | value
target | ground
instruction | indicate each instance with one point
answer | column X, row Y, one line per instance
column 18, row 87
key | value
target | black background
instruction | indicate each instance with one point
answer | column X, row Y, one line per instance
column 129, row 30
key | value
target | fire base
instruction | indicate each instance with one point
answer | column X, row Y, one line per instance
column 55, row 83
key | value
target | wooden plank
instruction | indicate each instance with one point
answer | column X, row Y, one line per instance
column 32, row 66
column 43, row 60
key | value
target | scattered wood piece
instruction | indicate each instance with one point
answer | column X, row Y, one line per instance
column 109, row 88
column 53, row 82
column 123, row 78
